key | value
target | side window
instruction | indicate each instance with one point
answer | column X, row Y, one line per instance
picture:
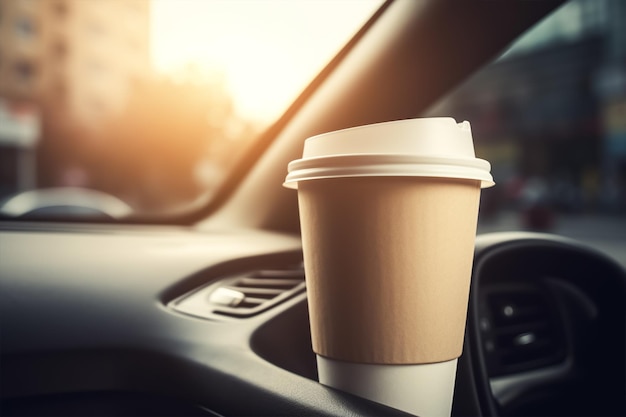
column 550, row 116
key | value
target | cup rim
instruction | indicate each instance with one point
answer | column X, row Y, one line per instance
column 388, row 165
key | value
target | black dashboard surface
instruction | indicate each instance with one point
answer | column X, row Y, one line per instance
column 86, row 320
column 82, row 311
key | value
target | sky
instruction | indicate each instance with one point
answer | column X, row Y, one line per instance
column 269, row 49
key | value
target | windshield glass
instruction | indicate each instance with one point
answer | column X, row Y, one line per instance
column 550, row 116
column 139, row 106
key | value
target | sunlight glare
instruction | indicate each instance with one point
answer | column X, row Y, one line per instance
column 268, row 49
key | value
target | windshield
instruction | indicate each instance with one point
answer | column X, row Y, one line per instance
column 139, row 106
column 550, row 116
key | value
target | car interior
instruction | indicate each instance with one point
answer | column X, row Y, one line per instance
column 205, row 312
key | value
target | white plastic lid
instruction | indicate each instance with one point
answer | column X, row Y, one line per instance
column 428, row 147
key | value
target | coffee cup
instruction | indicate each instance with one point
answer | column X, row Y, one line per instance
column 388, row 215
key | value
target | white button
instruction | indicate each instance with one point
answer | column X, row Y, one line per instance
column 226, row 297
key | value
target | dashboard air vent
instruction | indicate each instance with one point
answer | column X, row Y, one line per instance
column 521, row 330
column 242, row 296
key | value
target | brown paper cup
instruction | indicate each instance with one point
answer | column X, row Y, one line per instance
column 388, row 263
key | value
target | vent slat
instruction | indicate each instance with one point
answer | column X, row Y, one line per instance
column 244, row 295
column 280, row 284
column 261, row 292
column 521, row 327
column 253, row 301
column 278, row 274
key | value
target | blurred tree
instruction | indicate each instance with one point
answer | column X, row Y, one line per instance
column 173, row 141
column 63, row 147
column 153, row 148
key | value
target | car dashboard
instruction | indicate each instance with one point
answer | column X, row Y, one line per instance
column 104, row 320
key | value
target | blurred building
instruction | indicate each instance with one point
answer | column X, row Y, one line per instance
column 65, row 61
column 83, row 56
